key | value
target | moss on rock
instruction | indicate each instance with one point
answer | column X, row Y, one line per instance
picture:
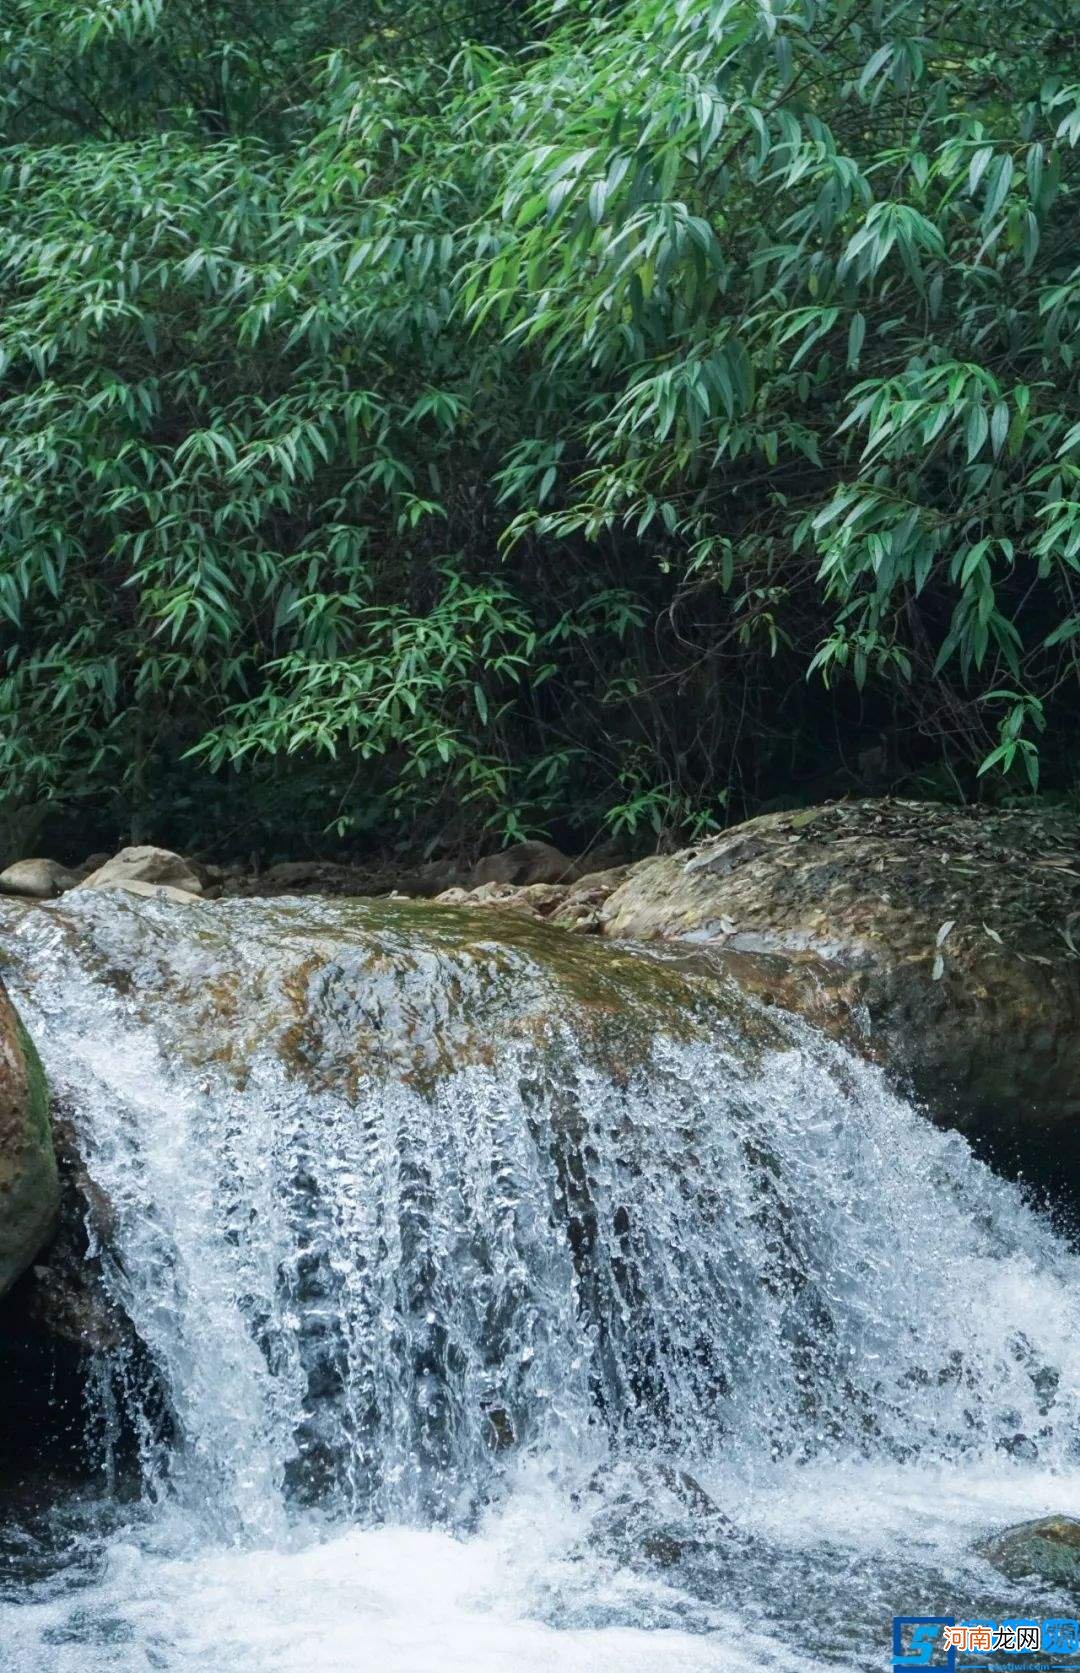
column 1046, row 1549
column 951, row 932
column 29, row 1182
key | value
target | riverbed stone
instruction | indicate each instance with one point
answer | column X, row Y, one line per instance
column 526, row 863
column 145, row 864
column 37, row 879
column 1045, row 1549
column 573, row 906
column 153, row 891
column 29, row 1186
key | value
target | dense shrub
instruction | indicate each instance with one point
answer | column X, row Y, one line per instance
column 613, row 417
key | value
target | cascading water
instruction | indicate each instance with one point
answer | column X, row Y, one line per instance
column 524, row 1302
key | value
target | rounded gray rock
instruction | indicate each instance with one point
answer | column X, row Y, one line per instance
column 37, row 879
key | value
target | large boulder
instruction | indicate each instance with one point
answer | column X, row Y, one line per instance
column 29, row 1186
column 37, row 879
column 954, row 933
column 145, row 865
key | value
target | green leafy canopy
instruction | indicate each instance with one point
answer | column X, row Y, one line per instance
column 578, row 415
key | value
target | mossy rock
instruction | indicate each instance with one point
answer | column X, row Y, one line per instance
column 948, row 932
column 29, row 1183
column 1046, row 1549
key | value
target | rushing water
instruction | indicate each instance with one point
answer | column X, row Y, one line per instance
column 519, row 1302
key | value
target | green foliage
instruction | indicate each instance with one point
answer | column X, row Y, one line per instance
column 504, row 429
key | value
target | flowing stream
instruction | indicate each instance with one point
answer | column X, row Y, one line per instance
column 517, row 1302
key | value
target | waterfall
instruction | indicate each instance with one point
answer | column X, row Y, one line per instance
column 423, row 1218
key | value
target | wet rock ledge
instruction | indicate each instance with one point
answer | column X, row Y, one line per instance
column 943, row 940
column 950, row 937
